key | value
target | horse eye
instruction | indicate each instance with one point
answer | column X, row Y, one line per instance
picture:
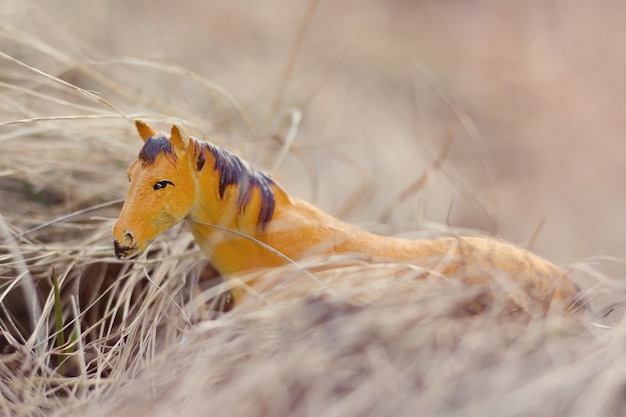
column 162, row 184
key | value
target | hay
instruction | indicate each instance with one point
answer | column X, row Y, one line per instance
column 329, row 357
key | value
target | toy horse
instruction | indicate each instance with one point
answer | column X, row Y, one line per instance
column 244, row 221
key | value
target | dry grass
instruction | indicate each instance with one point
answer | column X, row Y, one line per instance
column 149, row 337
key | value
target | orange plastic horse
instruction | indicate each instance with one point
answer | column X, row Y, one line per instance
column 226, row 203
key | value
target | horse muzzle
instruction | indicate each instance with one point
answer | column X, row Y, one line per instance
column 124, row 252
column 126, row 249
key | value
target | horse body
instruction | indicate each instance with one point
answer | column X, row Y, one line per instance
column 243, row 221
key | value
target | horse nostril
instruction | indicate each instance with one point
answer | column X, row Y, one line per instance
column 129, row 238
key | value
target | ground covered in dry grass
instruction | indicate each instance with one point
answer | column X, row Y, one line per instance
column 83, row 334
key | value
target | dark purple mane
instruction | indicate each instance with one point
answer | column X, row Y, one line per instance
column 235, row 171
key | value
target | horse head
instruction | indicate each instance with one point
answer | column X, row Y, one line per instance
column 161, row 191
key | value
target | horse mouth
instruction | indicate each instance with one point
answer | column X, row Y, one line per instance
column 125, row 252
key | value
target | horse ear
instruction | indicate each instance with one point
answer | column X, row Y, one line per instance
column 179, row 137
column 144, row 130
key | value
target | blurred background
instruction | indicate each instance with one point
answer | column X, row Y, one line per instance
column 530, row 92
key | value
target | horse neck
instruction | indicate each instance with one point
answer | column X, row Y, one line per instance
column 230, row 195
